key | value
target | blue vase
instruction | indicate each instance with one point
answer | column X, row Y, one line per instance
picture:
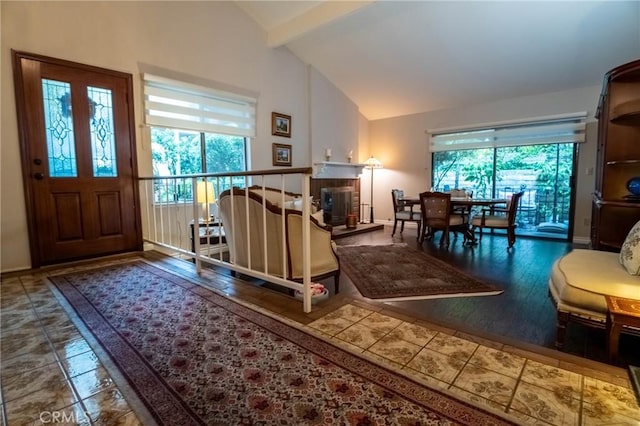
column 634, row 185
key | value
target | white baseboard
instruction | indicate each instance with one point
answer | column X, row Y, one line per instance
column 582, row 240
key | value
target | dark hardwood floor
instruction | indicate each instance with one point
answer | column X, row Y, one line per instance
column 524, row 313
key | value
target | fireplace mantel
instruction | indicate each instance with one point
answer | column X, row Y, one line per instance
column 337, row 170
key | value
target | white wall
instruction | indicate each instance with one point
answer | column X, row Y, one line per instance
column 206, row 42
column 335, row 121
column 401, row 143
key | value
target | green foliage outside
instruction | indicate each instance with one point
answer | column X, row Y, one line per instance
column 542, row 171
column 180, row 152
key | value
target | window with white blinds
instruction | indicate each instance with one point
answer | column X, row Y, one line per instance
column 179, row 105
column 559, row 129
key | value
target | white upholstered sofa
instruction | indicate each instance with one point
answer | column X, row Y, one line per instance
column 245, row 232
column 581, row 279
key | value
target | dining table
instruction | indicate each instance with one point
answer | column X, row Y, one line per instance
column 465, row 202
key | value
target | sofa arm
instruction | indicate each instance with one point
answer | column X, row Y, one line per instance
column 324, row 260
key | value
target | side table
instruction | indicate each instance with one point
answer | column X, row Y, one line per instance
column 210, row 233
column 621, row 312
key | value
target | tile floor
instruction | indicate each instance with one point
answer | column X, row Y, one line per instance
column 49, row 374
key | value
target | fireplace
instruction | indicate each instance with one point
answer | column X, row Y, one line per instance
column 337, row 198
column 336, row 203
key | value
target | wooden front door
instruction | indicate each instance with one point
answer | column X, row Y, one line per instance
column 78, row 159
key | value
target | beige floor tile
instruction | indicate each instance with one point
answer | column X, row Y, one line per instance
column 16, row 344
column 360, row 335
column 25, row 362
column 92, row 382
column 82, row 363
column 385, row 362
column 557, row 380
column 350, row 312
column 605, row 401
column 476, row 399
column 380, row 322
column 425, row 380
column 331, row 326
column 17, row 302
column 487, row 384
column 105, row 407
column 60, row 336
column 71, row 348
column 57, row 325
column 543, row 404
column 43, row 300
column 437, row 365
column 28, row 408
column 19, row 319
column 72, row 415
column 525, row 420
column 598, row 415
column 395, row 349
column 346, row 345
column 502, row 362
column 47, row 377
column 452, row 346
column 129, row 419
column 413, row 333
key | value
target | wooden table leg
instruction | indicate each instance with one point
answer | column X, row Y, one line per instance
column 613, row 337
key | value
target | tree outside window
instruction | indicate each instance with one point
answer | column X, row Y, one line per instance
column 181, row 152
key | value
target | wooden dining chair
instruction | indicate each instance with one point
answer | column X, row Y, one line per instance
column 461, row 193
column 437, row 216
column 401, row 214
column 500, row 218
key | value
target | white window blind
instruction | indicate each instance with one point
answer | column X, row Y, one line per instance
column 558, row 129
column 179, row 105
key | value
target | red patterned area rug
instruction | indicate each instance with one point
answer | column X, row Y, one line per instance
column 193, row 356
column 397, row 272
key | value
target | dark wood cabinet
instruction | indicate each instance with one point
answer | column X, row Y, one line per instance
column 615, row 208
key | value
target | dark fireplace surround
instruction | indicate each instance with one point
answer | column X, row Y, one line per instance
column 337, row 197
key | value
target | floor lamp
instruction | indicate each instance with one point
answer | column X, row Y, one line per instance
column 372, row 163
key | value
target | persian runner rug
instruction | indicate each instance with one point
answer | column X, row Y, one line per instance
column 192, row 356
column 398, row 272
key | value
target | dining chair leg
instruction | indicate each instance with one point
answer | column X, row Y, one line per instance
column 511, row 236
column 395, row 224
column 402, row 227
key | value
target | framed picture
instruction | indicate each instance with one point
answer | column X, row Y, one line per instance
column 280, row 125
column 281, row 154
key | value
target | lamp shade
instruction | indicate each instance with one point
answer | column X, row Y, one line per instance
column 205, row 193
column 373, row 163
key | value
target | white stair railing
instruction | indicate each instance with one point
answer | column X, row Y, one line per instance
column 175, row 217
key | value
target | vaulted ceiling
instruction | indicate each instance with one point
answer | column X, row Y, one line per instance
column 402, row 57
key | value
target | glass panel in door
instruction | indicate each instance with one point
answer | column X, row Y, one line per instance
column 543, row 173
column 58, row 123
column 103, row 146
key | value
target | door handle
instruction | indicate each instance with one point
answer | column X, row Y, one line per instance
column 38, row 176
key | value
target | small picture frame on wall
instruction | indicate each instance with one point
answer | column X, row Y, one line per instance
column 281, row 154
column 280, row 124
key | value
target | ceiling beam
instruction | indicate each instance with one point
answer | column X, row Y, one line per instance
column 320, row 15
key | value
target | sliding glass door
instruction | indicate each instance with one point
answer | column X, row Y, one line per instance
column 542, row 172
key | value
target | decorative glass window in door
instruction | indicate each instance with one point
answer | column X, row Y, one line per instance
column 58, row 119
column 101, row 128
